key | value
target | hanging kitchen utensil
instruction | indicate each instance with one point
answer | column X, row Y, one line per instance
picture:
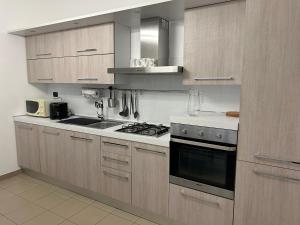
column 111, row 101
column 123, row 105
column 126, row 109
column 136, row 114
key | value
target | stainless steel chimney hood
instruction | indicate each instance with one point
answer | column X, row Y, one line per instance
column 154, row 43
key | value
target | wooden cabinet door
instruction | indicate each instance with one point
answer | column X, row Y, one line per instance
column 52, row 144
column 270, row 121
column 89, row 40
column 266, row 195
column 190, row 207
column 40, row 71
column 44, row 46
column 82, row 159
column 213, row 44
column 150, row 178
column 93, row 69
column 28, row 146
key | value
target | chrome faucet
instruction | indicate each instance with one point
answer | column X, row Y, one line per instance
column 100, row 105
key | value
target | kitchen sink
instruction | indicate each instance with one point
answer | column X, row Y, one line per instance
column 92, row 122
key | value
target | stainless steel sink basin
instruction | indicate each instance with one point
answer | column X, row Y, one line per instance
column 91, row 122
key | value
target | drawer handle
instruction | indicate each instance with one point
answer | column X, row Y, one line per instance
column 150, row 151
column 87, row 50
column 115, row 175
column 282, row 161
column 87, row 79
column 51, row 133
column 214, row 78
column 280, row 177
column 44, row 54
column 217, row 204
column 116, row 160
column 45, row 78
column 80, row 138
column 24, row 127
column 111, row 143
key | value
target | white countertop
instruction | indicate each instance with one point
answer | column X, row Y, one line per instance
column 108, row 132
column 208, row 119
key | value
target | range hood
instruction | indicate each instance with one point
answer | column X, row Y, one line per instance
column 154, row 43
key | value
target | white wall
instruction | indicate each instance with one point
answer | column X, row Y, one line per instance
column 14, row 88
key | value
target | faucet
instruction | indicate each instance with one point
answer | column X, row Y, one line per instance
column 100, row 105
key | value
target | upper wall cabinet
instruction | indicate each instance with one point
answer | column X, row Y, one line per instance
column 89, row 41
column 214, row 43
column 44, row 46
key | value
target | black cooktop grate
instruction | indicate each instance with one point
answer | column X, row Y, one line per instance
column 145, row 129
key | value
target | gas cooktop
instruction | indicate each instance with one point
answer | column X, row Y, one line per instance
column 145, row 129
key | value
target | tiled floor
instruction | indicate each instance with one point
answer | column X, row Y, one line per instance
column 24, row 200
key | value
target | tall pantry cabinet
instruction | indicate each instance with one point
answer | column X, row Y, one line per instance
column 268, row 171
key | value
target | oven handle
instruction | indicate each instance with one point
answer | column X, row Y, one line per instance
column 206, row 145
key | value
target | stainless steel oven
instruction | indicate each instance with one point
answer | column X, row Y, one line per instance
column 203, row 159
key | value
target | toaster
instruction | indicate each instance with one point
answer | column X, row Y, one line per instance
column 59, row 110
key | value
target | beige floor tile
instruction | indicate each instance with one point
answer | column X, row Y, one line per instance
column 104, row 207
column 82, row 198
column 69, row 208
column 19, row 187
column 5, row 194
column 10, row 204
column 114, row 220
column 46, row 218
column 142, row 221
column 64, row 192
column 89, row 216
column 125, row 215
column 5, row 221
column 52, row 200
column 9, row 181
column 67, row 223
column 36, row 193
column 25, row 213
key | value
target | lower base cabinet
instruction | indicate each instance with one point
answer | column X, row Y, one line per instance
column 190, row 207
column 116, row 184
column 266, row 195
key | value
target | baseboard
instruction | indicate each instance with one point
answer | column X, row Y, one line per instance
column 12, row 174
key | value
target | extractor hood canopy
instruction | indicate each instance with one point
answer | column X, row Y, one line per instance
column 154, row 44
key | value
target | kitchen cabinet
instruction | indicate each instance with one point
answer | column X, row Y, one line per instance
column 270, row 122
column 40, row 71
column 213, row 44
column 44, row 46
column 115, row 173
column 27, row 142
column 266, row 195
column 190, row 207
column 89, row 40
column 81, row 156
column 150, row 178
column 52, row 147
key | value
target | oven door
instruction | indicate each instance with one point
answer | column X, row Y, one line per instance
column 203, row 166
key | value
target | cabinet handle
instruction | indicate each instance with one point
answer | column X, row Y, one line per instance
column 282, row 161
column 280, row 177
column 87, row 50
column 217, row 204
column 87, row 78
column 44, row 54
column 45, row 78
column 116, row 144
column 151, row 151
column 24, row 127
column 214, row 78
column 116, row 160
column 115, row 175
column 79, row 138
column 51, row 133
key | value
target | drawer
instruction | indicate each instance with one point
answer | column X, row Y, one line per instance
column 116, row 161
column 116, row 184
column 116, row 146
column 190, row 207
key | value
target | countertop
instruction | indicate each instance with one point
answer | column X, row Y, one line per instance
column 108, row 132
